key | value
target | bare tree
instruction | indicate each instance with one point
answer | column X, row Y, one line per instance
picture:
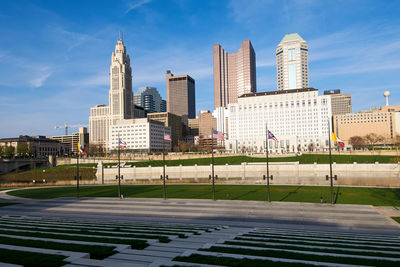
column 357, row 142
column 371, row 139
column 184, row 146
column 311, row 147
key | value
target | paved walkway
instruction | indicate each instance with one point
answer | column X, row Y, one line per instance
column 222, row 212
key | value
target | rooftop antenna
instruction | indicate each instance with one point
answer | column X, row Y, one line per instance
column 120, row 35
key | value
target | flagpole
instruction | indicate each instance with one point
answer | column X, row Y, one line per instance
column 119, row 167
column 164, row 186
column 77, row 175
column 212, row 163
column 267, row 159
column 330, row 160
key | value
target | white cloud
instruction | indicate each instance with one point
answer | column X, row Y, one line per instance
column 39, row 80
column 136, row 4
column 99, row 79
column 69, row 38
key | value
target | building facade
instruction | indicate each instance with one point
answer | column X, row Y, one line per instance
column 72, row 140
column 38, row 146
column 174, row 122
column 234, row 73
column 99, row 123
column 292, row 63
column 383, row 121
column 181, row 96
column 341, row 104
column 139, row 135
column 150, row 99
column 298, row 118
column 222, row 114
column 120, row 98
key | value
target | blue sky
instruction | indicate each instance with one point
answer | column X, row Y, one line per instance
column 55, row 55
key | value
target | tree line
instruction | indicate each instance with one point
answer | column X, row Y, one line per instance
column 371, row 140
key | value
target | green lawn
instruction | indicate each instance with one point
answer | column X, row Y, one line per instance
column 31, row 259
column 343, row 195
column 59, row 173
column 397, row 219
column 5, row 188
column 3, row 204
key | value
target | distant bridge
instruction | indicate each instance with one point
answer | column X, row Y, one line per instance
column 17, row 165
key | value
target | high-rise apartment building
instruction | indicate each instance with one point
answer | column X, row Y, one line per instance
column 292, row 63
column 341, row 104
column 150, row 99
column 234, row 73
column 181, row 95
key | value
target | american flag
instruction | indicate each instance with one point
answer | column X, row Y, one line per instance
column 122, row 143
column 218, row 135
column 167, row 137
column 272, row 136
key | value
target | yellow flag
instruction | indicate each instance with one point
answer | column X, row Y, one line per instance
column 334, row 137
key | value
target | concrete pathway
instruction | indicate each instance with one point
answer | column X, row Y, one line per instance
column 221, row 212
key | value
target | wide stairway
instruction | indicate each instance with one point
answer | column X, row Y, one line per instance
column 55, row 241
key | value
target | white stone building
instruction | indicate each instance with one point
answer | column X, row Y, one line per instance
column 222, row 115
column 99, row 122
column 139, row 135
column 298, row 118
column 292, row 63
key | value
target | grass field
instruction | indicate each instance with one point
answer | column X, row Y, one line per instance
column 59, row 173
column 31, row 259
column 343, row 195
column 397, row 219
column 3, row 204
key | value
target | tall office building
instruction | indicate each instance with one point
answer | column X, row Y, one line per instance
column 181, row 95
column 292, row 63
column 149, row 98
column 234, row 73
column 120, row 98
column 120, row 94
column 341, row 104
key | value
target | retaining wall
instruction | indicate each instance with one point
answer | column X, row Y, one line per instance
column 289, row 173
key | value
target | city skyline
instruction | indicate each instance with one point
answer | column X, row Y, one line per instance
column 53, row 71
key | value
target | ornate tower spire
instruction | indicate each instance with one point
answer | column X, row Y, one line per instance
column 120, row 94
